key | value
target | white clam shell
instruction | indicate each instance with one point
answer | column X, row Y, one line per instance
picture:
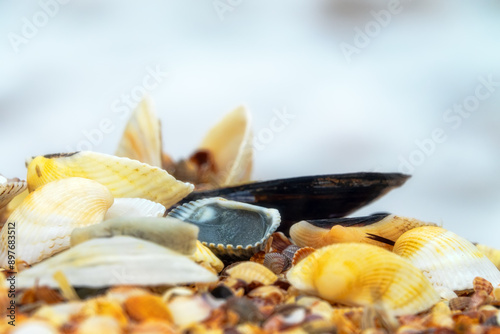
column 449, row 261
column 41, row 225
column 134, row 207
column 119, row 260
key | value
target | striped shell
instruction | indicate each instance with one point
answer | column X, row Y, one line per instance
column 361, row 274
column 167, row 232
column 45, row 219
column 141, row 139
column 122, row 176
column 10, row 189
column 320, row 233
column 449, row 261
column 120, row 260
column 491, row 253
column 252, row 271
column 229, row 228
column 205, row 256
column 134, row 207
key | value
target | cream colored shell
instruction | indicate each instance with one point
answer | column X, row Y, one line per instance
column 122, row 176
column 41, row 225
column 10, row 189
column 449, row 261
column 134, row 207
column 364, row 275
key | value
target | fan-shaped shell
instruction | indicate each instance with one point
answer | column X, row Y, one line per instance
column 230, row 143
column 229, row 228
column 319, row 233
column 120, row 260
column 134, row 207
column 252, row 271
column 141, row 139
column 491, row 253
column 277, row 262
column 44, row 220
column 122, row 176
column 10, row 189
column 449, row 261
column 362, row 274
column 168, row 232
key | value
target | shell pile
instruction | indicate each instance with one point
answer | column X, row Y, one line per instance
column 139, row 243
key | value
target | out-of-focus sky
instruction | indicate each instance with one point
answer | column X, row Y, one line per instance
column 410, row 86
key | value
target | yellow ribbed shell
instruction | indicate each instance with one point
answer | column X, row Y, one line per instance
column 42, row 224
column 449, row 261
column 122, row 176
column 491, row 253
column 391, row 227
column 362, row 274
column 252, row 271
column 204, row 255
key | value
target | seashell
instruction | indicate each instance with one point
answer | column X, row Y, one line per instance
column 480, row 284
column 58, row 314
column 449, row 261
column 99, row 325
column 34, row 326
column 270, row 293
column 378, row 229
column 459, row 303
column 228, row 228
column 168, row 232
column 122, row 176
column 188, row 310
column 258, row 257
column 153, row 327
column 310, row 197
column 134, row 207
column 289, row 252
column 119, row 260
column 141, row 139
column 362, row 274
column 10, row 188
column 230, row 143
column 491, row 253
column 252, row 271
column 301, row 254
column 44, row 221
column 101, row 306
column 441, row 316
column 279, row 242
column 276, row 262
column 147, row 307
column 204, row 255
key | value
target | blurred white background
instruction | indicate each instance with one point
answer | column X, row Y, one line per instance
column 65, row 66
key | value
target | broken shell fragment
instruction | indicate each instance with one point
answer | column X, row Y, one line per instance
column 310, row 197
column 378, row 229
column 141, row 139
column 449, row 261
column 362, row 274
column 119, row 260
column 122, row 176
column 10, row 188
column 230, row 229
column 134, row 207
column 205, row 256
column 167, row 232
column 45, row 219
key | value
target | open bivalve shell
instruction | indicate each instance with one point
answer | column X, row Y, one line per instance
column 230, row 229
column 122, row 176
column 10, row 188
column 364, row 275
column 449, row 261
column 120, row 260
column 45, row 219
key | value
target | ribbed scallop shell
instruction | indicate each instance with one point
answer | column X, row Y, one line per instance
column 277, row 262
column 230, row 143
column 141, row 139
column 362, row 274
column 10, row 189
column 449, row 261
column 120, row 260
column 491, row 253
column 134, row 207
column 44, row 220
column 122, row 176
column 204, row 255
column 229, row 228
column 390, row 227
column 167, row 232
column 252, row 271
